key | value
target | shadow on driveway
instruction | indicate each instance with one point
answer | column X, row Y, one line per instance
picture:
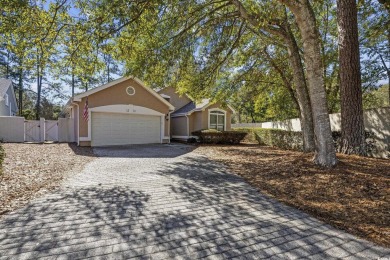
column 194, row 209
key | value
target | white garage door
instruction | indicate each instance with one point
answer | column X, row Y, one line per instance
column 119, row 129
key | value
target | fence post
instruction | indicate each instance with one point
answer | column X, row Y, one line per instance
column 42, row 129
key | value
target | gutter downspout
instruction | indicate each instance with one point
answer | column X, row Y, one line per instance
column 188, row 127
column 169, row 126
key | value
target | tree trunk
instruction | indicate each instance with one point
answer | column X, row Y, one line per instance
column 387, row 6
column 303, row 98
column 108, row 72
column 305, row 18
column 7, row 67
column 253, row 118
column 352, row 122
column 73, row 83
column 302, row 92
column 20, row 92
column 39, row 88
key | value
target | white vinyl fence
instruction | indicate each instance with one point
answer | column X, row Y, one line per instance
column 18, row 130
column 375, row 120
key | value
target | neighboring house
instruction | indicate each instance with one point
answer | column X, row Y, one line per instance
column 8, row 104
column 190, row 116
column 123, row 111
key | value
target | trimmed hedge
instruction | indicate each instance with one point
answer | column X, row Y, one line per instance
column 2, row 155
column 291, row 140
column 212, row 136
column 288, row 140
column 250, row 137
column 369, row 137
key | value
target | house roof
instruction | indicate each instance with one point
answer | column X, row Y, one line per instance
column 193, row 107
column 4, row 86
column 112, row 83
column 159, row 90
column 185, row 109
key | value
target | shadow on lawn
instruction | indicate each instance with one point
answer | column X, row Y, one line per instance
column 201, row 211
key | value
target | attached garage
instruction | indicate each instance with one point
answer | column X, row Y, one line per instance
column 120, row 129
column 121, row 112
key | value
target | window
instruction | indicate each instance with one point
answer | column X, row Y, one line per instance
column 217, row 120
column 6, row 100
column 130, row 91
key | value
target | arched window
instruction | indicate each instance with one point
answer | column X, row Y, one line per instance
column 217, row 120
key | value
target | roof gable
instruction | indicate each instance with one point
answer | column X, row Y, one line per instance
column 177, row 100
column 4, row 86
column 115, row 82
column 192, row 107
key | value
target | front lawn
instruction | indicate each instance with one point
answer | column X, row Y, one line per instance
column 354, row 196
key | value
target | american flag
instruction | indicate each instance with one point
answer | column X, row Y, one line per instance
column 85, row 114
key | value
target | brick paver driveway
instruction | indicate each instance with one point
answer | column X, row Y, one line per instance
column 164, row 202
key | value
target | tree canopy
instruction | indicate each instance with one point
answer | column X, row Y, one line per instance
column 271, row 59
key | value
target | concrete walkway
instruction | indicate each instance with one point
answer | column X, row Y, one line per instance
column 164, row 202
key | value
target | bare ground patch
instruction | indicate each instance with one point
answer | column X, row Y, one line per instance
column 354, row 196
column 30, row 170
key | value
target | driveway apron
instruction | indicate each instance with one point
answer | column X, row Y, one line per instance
column 165, row 202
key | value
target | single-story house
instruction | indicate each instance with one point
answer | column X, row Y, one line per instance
column 190, row 116
column 8, row 104
column 125, row 111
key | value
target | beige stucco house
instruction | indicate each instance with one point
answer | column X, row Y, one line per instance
column 125, row 111
column 190, row 116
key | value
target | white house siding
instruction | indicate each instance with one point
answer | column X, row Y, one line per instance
column 12, row 129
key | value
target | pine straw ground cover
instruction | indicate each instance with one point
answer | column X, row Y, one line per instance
column 30, row 170
column 354, row 196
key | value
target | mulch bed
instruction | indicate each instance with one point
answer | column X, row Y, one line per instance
column 353, row 196
column 29, row 170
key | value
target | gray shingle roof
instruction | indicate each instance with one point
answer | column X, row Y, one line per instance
column 192, row 106
column 187, row 108
column 4, row 85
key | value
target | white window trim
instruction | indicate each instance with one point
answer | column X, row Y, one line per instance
column 219, row 110
column 127, row 90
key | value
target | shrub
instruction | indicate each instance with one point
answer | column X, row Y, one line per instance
column 191, row 140
column 291, row 140
column 369, row 137
column 212, row 136
column 288, row 140
column 250, row 137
